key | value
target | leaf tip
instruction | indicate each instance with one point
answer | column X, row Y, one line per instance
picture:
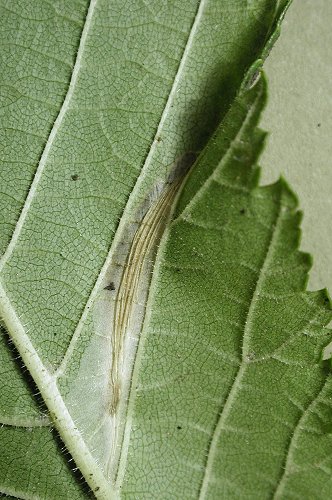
column 288, row 197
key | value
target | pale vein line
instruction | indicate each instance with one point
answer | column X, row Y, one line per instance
column 27, row 422
column 292, row 446
column 49, row 391
column 50, row 141
column 132, row 198
column 12, row 493
column 214, row 445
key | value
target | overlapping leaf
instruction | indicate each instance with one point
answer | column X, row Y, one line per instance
column 226, row 315
column 230, row 357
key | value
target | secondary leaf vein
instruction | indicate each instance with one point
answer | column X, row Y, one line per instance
column 51, row 138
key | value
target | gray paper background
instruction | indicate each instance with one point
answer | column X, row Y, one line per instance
column 299, row 119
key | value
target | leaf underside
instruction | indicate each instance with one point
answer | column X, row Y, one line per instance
column 175, row 353
column 239, row 374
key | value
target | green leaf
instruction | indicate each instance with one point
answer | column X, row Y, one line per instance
column 229, row 361
column 149, row 312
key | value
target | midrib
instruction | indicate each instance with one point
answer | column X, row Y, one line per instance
column 214, row 445
column 49, row 391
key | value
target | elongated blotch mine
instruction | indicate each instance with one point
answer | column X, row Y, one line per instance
column 144, row 243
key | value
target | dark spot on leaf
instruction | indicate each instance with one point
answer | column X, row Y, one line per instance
column 254, row 79
column 327, row 428
column 181, row 166
column 326, row 366
column 111, row 286
column 97, row 489
column 74, row 177
column 242, row 211
column 251, row 356
column 158, row 138
column 179, row 427
column 318, row 124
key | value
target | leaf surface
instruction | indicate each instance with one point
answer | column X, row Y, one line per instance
column 240, row 374
column 147, row 380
